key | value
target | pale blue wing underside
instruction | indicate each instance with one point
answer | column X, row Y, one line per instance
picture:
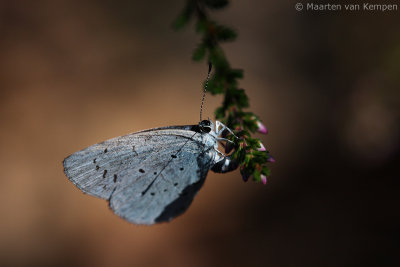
column 148, row 177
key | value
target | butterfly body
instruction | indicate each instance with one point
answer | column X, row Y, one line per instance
column 150, row 176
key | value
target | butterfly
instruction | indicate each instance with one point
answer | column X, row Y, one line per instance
column 151, row 176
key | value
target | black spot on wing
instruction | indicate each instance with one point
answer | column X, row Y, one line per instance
column 105, row 150
column 141, row 170
column 97, row 167
column 104, row 173
column 115, row 178
column 173, row 156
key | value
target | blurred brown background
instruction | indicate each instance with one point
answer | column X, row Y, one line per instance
column 326, row 84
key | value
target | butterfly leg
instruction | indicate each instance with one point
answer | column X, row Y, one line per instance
column 224, row 139
column 223, row 164
column 223, row 127
column 220, row 153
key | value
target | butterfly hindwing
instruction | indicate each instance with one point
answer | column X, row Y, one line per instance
column 166, row 188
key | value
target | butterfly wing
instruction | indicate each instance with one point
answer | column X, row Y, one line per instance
column 148, row 176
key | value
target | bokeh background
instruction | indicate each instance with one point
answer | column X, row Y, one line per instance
column 326, row 84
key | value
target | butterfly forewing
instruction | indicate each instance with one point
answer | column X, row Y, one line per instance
column 148, row 176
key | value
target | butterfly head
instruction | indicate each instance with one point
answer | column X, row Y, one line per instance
column 206, row 126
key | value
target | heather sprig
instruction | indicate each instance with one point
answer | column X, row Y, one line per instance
column 249, row 152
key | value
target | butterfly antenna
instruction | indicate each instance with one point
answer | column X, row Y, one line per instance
column 205, row 89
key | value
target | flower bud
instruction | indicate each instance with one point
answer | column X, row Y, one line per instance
column 243, row 144
column 261, row 148
column 238, row 129
column 245, row 176
column 261, row 128
column 263, row 179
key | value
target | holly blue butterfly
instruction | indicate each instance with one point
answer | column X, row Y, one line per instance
column 151, row 176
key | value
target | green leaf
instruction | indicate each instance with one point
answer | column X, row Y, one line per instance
column 215, row 85
column 201, row 26
column 243, row 100
column 247, row 159
column 185, row 15
column 225, row 34
column 239, row 97
column 180, row 22
column 217, row 57
column 257, row 176
column 220, row 113
column 199, row 53
column 250, row 124
column 236, row 74
column 266, row 171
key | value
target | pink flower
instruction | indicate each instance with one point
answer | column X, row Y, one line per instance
column 261, row 128
column 271, row 159
column 243, row 144
column 261, row 148
column 263, row 179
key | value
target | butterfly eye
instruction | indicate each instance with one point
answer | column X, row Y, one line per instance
column 205, row 126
